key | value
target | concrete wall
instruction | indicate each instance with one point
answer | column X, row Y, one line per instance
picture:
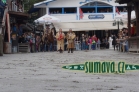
column 77, row 3
column 42, row 12
column 65, row 17
column 70, row 17
column 106, row 17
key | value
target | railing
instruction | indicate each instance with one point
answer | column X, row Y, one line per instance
column 14, row 7
column 23, row 47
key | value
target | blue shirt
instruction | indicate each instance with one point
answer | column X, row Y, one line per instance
column 14, row 29
column 20, row 31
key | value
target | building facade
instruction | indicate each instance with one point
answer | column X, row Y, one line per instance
column 83, row 15
column 71, row 9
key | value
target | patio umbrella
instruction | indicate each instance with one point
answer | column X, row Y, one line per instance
column 47, row 19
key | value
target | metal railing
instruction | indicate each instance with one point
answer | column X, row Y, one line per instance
column 14, row 7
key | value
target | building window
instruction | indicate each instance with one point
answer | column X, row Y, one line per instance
column 70, row 10
column 104, row 10
column 88, row 10
column 122, row 8
column 55, row 10
column 97, row 7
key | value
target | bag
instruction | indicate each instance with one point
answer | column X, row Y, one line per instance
column 93, row 42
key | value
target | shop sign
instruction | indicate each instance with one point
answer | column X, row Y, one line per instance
column 96, row 16
column 103, row 67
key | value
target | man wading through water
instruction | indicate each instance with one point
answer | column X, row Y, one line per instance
column 70, row 38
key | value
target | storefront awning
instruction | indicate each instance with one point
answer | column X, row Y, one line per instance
column 25, row 27
column 88, row 25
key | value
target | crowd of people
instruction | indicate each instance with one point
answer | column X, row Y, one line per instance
column 89, row 10
column 87, row 42
column 74, row 42
column 62, row 41
column 121, row 41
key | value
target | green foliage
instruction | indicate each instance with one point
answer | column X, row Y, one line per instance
column 4, row 1
column 27, row 6
column 29, row 3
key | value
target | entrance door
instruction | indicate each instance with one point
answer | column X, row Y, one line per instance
column 98, row 34
column 90, row 33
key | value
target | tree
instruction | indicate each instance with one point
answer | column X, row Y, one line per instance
column 29, row 3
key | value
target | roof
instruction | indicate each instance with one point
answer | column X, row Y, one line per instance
column 125, row 1
column 42, row 3
column 32, row 10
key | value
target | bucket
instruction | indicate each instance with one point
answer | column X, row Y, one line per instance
column 7, row 48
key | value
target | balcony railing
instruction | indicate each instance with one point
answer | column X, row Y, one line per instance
column 14, row 7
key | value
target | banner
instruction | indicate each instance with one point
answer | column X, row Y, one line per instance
column 81, row 13
column 117, row 10
column 4, row 1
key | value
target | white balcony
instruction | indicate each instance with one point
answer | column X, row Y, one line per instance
column 14, row 7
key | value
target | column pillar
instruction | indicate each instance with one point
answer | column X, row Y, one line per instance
column 78, row 13
column 114, row 12
column 96, row 7
column 1, row 45
column 129, row 20
column 63, row 11
column 106, row 33
column 136, row 5
column 47, row 10
column 102, row 33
